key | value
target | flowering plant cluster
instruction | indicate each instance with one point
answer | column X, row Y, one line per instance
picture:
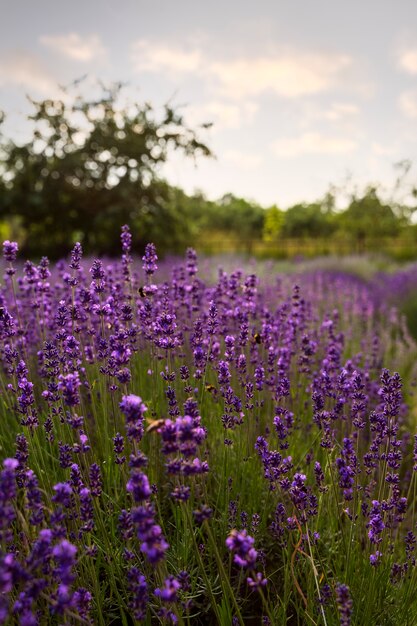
column 179, row 448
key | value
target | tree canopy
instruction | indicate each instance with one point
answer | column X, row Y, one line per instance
column 91, row 166
column 367, row 216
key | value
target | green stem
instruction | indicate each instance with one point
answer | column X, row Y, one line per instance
column 223, row 576
column 201, row 564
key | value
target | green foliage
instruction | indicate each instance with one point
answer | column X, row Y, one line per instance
column 308, row 220
column 95, row 163
column 274, row 219
column 368, row 217
column 245, row 218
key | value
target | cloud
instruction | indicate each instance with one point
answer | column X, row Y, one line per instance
column 26, row 71
column 290, row 73
column 407, row 60
column 222, row 114
column 75, row 47
column 313, row 143
column 408, row 103
column 150, row 57
column 341, row 110
column 243, row 160
column 382, row 150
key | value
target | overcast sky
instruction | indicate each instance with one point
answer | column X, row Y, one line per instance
column 302, row 94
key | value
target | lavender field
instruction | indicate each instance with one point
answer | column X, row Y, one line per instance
column 185, row 445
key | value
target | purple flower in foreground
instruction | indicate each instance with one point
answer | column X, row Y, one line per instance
column 134, row 410
column 76, row 256
column 63, row 494
column 168, row 593
column 118, row 447
column 96, row 482
column 34, row 498
column 257, row 582
column 374, row 559
column 204, row 513
column 376, row 524
column 8, row 492
column 96, row 270
column 167, row 616
column 64, row 555
column 86, row 510
column 69, row 385
column 344, row 604
column 154, row 546
column 41, row 550
column 10, row 249
column 82, row 599
column 76, row 480
column 126, row 239
column 241, row 544
column 138, row 485
column 149, row 259
column 191, row 262
column 224, row 373
column 139, row 593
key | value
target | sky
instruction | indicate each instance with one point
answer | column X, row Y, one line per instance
column 302, row 95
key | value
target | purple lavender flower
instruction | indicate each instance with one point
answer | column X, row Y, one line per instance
column 76, row 480
column 97, row 271
column 64, row 555
column 374, row 559
column 34, row 499
column 7, row 327
column 168, row 593
column 344, row 604
column 10, row 249
column 181, row 493
column 82, row 600
column 126, row 239
column 41, row 551
column 8, row 491
column 63, row 494
column 126, row 525
column 139, row 595
column 192, row 268
column 76, row 256
column 376, row 524
column 98, row 275
column 134, row 410
column 69, row 384
column 138, row 485
column 298, row 491
column 154, row 545
column 203, row 513
column 86, row 510
column 118, row 447
column 241, row 544
column 96, row 482
column 224, row 373
column 149, row 259
column 257, row 582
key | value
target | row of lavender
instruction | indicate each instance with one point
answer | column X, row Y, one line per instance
column 198, row 452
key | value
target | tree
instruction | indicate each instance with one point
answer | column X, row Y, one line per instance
column 91, row 166
column 242, row 217
column 309, row 220
column 274, row 219
column 368, row 218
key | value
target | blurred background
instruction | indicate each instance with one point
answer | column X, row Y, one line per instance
column 283, row 129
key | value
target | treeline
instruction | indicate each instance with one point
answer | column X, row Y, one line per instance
column 366, row 224
column 91, row 166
